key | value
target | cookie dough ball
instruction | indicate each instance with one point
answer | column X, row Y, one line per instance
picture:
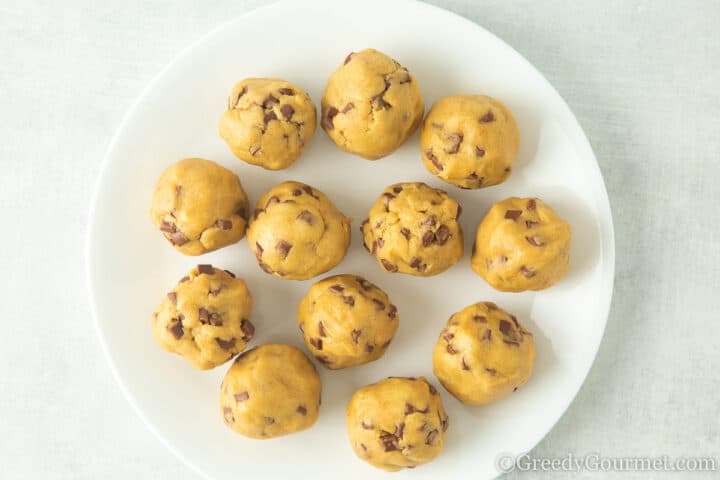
column 413, row 228
column 521, row 244
column 483, row 354
column 470, row 141
column 268, row 122
column 269, row 391
column 347, row 321
column 397, row 423
column 199, row 206
column 297, row 233
column 371, row 105
column 205, row 318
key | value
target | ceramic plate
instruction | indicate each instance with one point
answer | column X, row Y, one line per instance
column 131, row 266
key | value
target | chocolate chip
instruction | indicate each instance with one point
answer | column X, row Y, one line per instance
column 179, row 238
column 448, row 336
column 433, row 390
column 349, row 57
column 247, row 328
column 397, row 190
column 456, row 140
column 287, row 111
column 297, row 192
column 399, row 429
column 388, row 266
column 306, row 217
column 487, row 118
column 301, row 410
column 367, row 425
column 409, row 409
column 286, row 91
column 442, row 235
column 389, row 442
column 513, row 214
column 226, row 344
column 206, row 269
column 269, row 117
column 430, row 438
column 228, row 414
column 479, row 318
column 465, row 365
column 451, row 350
column 203, row 316
column 515, row 389
column 242, row 396
column 308, row 189
column 317, row 343
column 269, row 101
column 433, row 159
column 506, row 328
column 444, row 422
column 379, row 305
column 388, row 196
column 491, row 371
column 405, row 232
column 349, row 300
column 428, row 238
column 415, row 262
column 530, row 223
column 527, row 273
column 224, row 224
column 479, row 152
column 355, row 335
column 362, row 445
column 486, row 335
column 369, row 348
column 327, row 120
column 167, row 227
column 535, row 241
column 531, row 204
column 364, row 284
column 269, row 420
column 176, row 328
column 283, row 248
column 172, row 296
column 392, row 312
column 348, row 107
column 507, row 170
column 229, row 273
column 429, row 221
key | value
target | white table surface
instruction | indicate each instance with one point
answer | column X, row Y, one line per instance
column 643, row 78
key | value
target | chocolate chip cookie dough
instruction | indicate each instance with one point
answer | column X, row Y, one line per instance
column 397, row 423
column 413, row 228
column 269, row 391
column 297, row 233
column 199, row 206
column 268, row 122
column 205, row 318
column 521, row 244
column 470, row 141
column 483, row 354
column 346, row 321
column 371, row 105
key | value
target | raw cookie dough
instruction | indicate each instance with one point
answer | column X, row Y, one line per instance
column 470, row 141
column 347, row 321
column 521, row 244
column 397, row 423
column 483, row 354
column 269, row 391
column 199, row 206
column 296, row 233
column 205, row 318
column 413, row 228
column 268, row 122
column 371, row 105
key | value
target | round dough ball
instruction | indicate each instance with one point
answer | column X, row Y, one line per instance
column 269, row 391
column 199, row 206
column 268, row 122
column 297, row 233
column 205, row 318
column 483, row 354
column 470, row 141
column 521, row 244
column 413, row 228
column 347, row 321
column 397, row 423
column 371, row 105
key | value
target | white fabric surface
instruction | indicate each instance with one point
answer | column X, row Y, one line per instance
column 641, row 76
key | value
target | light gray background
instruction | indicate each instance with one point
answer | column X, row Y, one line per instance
column 643, row 79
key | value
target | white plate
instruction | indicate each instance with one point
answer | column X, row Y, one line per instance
column 131, row 266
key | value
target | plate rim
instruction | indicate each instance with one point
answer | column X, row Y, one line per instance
column 606, row 228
